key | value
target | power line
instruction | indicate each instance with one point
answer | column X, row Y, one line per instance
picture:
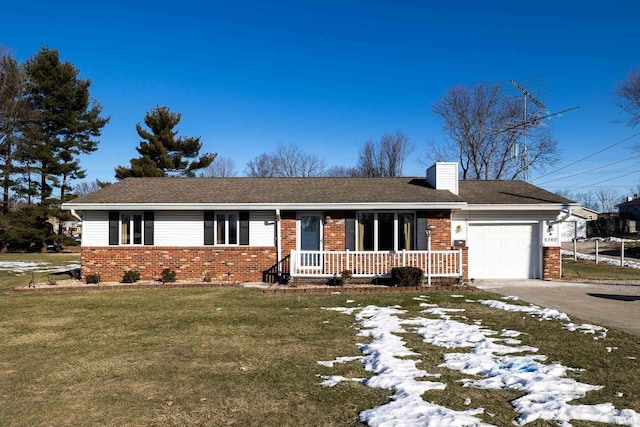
column 590, row 170
column 590, row 155
column 607, row 180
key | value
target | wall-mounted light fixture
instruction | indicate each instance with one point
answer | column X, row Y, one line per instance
column 458, row 229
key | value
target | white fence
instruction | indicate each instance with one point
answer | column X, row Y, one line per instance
column 373, row 263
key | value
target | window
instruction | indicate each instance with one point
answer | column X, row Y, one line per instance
column 226, row 229
column 385, row 231
column 131, row 229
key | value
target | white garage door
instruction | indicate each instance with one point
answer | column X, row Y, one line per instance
column 504, row 251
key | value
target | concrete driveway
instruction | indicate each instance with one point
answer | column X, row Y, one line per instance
column 616, row 306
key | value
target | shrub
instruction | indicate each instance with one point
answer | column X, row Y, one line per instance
column 407, row 276
column 206, row 277
column 130, row 276
column 51, row 280
column 168, row 275
column 93, row 278
column 346, row 276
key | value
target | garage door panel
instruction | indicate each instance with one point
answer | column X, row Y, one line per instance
column 499, row 251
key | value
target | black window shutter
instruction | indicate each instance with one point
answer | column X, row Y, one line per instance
column 350, row 231
column 114, row 225
column 244, row 228
column 148, row 227
column 208, row 228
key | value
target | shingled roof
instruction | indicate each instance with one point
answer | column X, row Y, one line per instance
column 506, row 193
column 301, row 191
column 268, row 190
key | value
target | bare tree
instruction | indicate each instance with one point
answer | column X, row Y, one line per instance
column 287, row 161
column 263, row 166
column 221, row 167
column 587, row 200
column 629, row 97
column 292, row 161
column 608, row 198
column 343, row 171
column 85, row 187
column 483, row 129
column 385, row 157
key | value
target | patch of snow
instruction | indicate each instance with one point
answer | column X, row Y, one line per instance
column 547, row 390
column 456, row 296
column 350, row 301
column 341, row 359
column 21, row 267
column 333, row 380
column 546, row 387
column 605, row 260
column 388, row 358
column 548, row 314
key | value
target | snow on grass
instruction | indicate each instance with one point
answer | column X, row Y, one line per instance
column 394, row 368
column 495, row 356
column 21, row 267
column 603, row 259
column 549, row 314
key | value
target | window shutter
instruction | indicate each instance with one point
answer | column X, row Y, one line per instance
column 350, row 231
column 148, row 227
column 208, row 228
column 114, row 225
column 244, row 228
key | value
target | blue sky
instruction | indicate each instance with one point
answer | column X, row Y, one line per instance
column 328, row 75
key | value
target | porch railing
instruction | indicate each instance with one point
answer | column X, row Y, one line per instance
column 374, row 263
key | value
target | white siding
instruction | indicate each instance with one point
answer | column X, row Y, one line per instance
column 95, row 228
column 443, row 176
column 262, row 229
column 178, row 228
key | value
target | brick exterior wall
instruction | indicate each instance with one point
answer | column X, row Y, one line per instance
column 440, row 223
column 333, row 231
column 551, row 263
column 288, row 232
column 246, row 264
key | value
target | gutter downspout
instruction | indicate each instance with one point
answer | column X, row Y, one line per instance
column 278, row 245
column 75, row 215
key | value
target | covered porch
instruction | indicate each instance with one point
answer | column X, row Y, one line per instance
column 363, row 264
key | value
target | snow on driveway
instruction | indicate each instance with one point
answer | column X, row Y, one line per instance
column 495, row 356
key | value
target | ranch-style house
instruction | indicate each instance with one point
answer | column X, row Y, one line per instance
column 266, row 229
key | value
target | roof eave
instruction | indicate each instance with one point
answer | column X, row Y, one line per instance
column 262, row 206
column 521, row 207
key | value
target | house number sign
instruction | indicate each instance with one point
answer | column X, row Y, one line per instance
column 551, row 235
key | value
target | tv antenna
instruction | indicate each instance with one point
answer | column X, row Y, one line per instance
column 526, row 122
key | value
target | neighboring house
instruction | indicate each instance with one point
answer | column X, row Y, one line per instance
column 253, row 229
column 575, row 225
column 630, row 209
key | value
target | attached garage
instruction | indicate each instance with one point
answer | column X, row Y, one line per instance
column 504, row 251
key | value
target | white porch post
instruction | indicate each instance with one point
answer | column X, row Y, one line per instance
column 278, row 245
column 428, row 232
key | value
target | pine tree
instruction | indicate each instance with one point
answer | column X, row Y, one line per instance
column 12, row 113
column 161, row 152
column 64, row 122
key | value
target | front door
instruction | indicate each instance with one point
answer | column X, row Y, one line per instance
column 310, row 239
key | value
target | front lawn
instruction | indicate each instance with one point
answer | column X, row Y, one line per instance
column 585, row 269
column 234, row 356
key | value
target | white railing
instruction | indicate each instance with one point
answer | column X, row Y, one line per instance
column 373, row 263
